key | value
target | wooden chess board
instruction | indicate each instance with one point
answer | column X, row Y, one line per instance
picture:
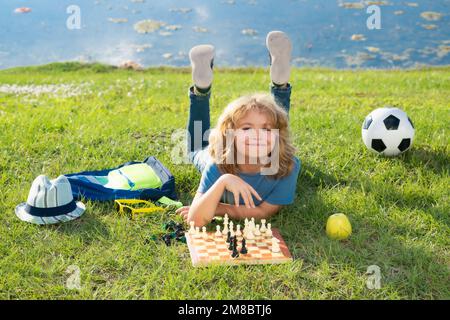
column 214, row 250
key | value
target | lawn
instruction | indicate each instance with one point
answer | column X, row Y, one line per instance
column 99, row 117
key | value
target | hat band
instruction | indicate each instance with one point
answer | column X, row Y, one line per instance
column 51, row 212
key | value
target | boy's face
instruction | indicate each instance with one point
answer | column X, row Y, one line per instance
column 254, row 137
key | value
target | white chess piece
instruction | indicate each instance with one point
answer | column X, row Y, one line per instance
column 225, row 228
column 257, row 232
column 252, row 223
column 249, row 234
column 197, row 232
column 218, row 232
column 225, row 219
column 244, row 231
column 269, row 230
column 204, row 234
column 263, row 226
column 231, row 229
column 238, row 232
column 192, row 228
column 275, row 245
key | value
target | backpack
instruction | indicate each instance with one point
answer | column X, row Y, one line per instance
column 147, row 180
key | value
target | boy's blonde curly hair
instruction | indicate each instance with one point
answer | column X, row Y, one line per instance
column 220, row 150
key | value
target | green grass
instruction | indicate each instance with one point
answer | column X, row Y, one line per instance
column 399, row 207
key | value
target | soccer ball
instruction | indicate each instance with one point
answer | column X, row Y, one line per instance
column 388, row 131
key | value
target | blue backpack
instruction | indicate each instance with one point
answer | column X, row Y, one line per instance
column 117, row 183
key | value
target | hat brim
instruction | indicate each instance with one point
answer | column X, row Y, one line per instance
column 25, row 216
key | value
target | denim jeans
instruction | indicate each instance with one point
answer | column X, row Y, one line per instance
column 199, row 112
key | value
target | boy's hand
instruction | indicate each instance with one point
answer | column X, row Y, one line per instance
column 239, row 187
column 183, row 212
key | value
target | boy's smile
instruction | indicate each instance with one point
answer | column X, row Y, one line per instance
column 254, row 136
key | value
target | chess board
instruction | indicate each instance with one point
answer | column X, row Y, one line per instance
column 214, row 250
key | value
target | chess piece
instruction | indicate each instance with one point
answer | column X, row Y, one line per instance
column 238, row 230
column 243, row 247
column 244, row 231
column 252, row 224
column 225, row 219
column 192, row 228
column 231, row 245
column 231, row 226
column 204, row 234
column 275, row 245
column 257, row 232
column 225, row 225
column 218, row 232
column 235, row 252
column 197, row 232
column 167, row 239
column 228, row 236
column 269, row 230
column 249, row 235
column 263, row 226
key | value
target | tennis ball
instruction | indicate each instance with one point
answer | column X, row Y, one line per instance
column 338, row 227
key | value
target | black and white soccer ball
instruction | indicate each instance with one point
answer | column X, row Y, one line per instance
column 388, row 131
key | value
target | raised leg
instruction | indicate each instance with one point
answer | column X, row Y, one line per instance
column 199, row 121
column 282, row 96
column 280, row 49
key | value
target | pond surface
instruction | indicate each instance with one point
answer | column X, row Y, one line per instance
column 327, row 33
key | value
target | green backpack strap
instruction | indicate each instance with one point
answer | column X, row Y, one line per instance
column 169, row 202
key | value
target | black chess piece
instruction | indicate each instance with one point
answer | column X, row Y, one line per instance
column 229, row 237
column 231, row 245
column 235, row 252
column 167, row 239
column 179, row 233
column 243, row 248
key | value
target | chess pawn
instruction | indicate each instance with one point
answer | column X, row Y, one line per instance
column 238, row 230
column 269, row 231
column 257, row 232
column 263, row 226
column 192, row 228
column 252, row 223
column 218, row 232
column 275, row 245
column 204, row 234
column 197, row 232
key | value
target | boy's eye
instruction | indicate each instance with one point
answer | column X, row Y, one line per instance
column 246, row 128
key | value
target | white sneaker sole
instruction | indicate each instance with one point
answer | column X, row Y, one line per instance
column 201, row 59
column 280, row 49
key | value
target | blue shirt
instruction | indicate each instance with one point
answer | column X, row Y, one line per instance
column 274, row 191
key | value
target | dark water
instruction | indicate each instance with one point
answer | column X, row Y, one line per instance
column 321, row 31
